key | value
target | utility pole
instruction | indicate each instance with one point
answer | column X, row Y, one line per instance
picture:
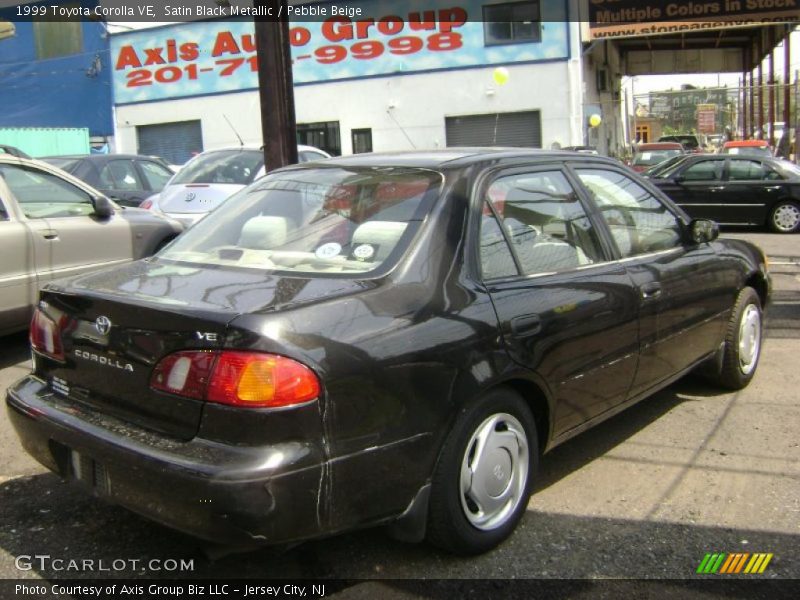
column 275, row 86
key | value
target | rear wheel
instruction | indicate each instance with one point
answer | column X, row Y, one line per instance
column 484, row 475
column 742, row 347
column 785, row 217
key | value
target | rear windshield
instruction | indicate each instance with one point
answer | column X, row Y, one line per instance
column 314, row 221
column 649, row 158
column 238, row 167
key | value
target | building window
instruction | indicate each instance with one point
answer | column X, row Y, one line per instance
column 511, row 23
column 324, row 136
column 643, row 134
column 55, row 39
column 362, row 140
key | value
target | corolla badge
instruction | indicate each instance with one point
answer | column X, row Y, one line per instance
column 103, row 325
column 190, row 196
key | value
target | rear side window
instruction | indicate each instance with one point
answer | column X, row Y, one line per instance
column 314, row 221
column 540, row 215
column 745, row 170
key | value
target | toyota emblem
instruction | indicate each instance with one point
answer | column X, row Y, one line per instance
column 190, row 196
column 103, row 325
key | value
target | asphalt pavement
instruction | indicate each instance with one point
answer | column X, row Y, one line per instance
column 647, row 494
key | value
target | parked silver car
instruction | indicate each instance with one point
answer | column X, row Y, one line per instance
column 53, row 225
column 212, row 177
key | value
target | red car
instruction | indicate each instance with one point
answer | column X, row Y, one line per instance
column 649, row 155
column 747, row 148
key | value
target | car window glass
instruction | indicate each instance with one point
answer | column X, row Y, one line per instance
column 332, row 221
column 544, row 221
column 705, row 170
column 3, row 213
column 771, row 174
column 237, row 167
column 639, row 222
column 119, row 175
column 44, row 195
column 308, row 156
column 156, row 175
column 496, row 258
column 745, row 170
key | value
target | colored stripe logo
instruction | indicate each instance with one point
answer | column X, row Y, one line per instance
column 728, row 564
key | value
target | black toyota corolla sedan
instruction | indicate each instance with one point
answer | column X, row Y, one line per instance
column 382, row 339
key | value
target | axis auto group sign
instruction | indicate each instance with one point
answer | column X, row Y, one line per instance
column 631, row 18
column 217, row 56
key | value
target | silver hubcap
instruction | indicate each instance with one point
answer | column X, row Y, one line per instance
column 786, row 217
column 749, row 339
column 494, row 471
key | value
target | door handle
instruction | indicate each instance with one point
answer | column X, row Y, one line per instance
column 650, row 291
column 772, row 188
column 49, row 234
column 526, row 325
column 717, row 188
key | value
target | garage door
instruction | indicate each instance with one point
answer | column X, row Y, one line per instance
column 518, row 129
column 174, row 142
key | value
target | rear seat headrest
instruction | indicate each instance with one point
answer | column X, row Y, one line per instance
column 263, row 233
column 383, row 235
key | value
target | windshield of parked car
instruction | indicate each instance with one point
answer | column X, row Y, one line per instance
column 789, row 169
column 238, row 167
column 653, row 157
column 328, row 221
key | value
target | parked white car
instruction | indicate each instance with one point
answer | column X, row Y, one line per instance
column 213, row 176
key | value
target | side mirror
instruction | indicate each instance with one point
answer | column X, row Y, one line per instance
column 703, row 231
column 679, row 179
column 103, row 209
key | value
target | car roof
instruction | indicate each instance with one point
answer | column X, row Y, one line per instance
column 746, row 144
column 100, row 157
column 457, row 157
column 660, row 146
column 300, row 147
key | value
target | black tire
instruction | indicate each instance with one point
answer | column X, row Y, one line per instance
column 785, row 217
column 737, row 370
column 454, row 518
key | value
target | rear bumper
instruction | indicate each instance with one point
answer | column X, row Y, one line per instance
column 222, row 493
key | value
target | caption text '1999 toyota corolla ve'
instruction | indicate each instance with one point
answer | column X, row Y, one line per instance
column 382, row 339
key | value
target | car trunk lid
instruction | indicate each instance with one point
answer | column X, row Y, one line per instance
column 195, row 198
column 116, row 325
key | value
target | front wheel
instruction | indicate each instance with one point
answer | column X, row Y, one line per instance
column 484, row 475
column 785, row 217
column 742, row 346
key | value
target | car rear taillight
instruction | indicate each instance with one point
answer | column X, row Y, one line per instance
column 184, row 373
column 45, row 336
column 235, row 378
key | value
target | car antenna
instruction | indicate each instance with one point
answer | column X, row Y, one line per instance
column 241, row 142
